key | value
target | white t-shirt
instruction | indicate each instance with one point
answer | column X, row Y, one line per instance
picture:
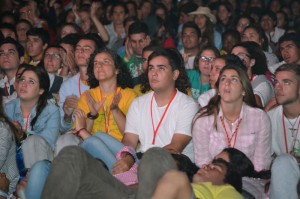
column 278, row 140
column 263, row 88
column 205, row 97
column 178, row 119
column 190, row 62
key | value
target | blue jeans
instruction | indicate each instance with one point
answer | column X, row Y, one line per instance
column 36, row 180
column 285, row 176
column 104, row 147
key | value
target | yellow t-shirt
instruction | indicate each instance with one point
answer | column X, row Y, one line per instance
column 127, row 96
column 137, row 90
column 209, row 191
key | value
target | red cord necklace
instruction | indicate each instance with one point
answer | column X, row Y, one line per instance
column 155, row 130
column 235, row 133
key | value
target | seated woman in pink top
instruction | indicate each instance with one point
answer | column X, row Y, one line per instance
column 232, row 119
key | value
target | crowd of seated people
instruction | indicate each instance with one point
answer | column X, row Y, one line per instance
column 150, row 99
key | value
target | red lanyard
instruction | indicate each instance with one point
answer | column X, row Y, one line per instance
column 284, row 131
column 252, row 77
column 162, row 117
column 107, row 116
column 234, row 133
column 6, row 90
column 26, row 123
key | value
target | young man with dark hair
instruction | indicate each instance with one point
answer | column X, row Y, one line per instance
column 285, row 120
column 72, row 88
column 191, row 37
column 289, row 47
column 154, row 118
column 11, row 56
column 116, row 29
column 138, row 38
column 38, row 40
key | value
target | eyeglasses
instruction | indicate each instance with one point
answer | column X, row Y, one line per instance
column 52, row 56
column 10, row 53
column 242, row 25
column 85, row 49
column 242, row 56
column 231, row 80
column 29, row 82
column 206, row 59
column 144, row 60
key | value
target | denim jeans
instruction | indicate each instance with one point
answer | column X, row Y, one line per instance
column 104, row 147
column 285, row 177
column 37, row 178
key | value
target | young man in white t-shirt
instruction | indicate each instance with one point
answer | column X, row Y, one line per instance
column 285, row 120
column 161, row 118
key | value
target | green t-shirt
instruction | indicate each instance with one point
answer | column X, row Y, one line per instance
column 196, row 87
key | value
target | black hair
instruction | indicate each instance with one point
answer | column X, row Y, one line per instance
column 44, row 83
column 293, row 37
column 231, row 177
column 260, row 67
column 124, row 78
column 18, row 46
column 71, row 39
column 176, row 62
column 119, row 4
column 188, row 7
column 129, row 19
column 270, row 14
column 10, row 27
column 231, row 59
column 234, row 34
column 243, row 165
column 41, row 33
column 245, row 16
column 191, row 24
column 7, row 14
column 138, row 27
column 24, row 21
column 73, row 25
column 95, row 38
column 261, row 34
column 185, row 165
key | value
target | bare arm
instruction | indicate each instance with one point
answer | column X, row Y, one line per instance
column 178, row 143
column 130, row 139
column 99, row 26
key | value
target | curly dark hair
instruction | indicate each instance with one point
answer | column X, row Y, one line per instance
column 124, row 79
column 176, row 62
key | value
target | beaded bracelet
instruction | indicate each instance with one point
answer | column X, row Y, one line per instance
column 78, row 132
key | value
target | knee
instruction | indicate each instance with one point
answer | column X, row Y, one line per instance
column 91, row 141
column 34, row 139
column 40, row 168
column 65, row 140
column 284, row 162
column 71, row 150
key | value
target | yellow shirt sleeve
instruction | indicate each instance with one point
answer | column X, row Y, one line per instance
column 106, row 118
column 209, row 191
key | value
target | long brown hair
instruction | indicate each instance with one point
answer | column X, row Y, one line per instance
column 213, row 106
